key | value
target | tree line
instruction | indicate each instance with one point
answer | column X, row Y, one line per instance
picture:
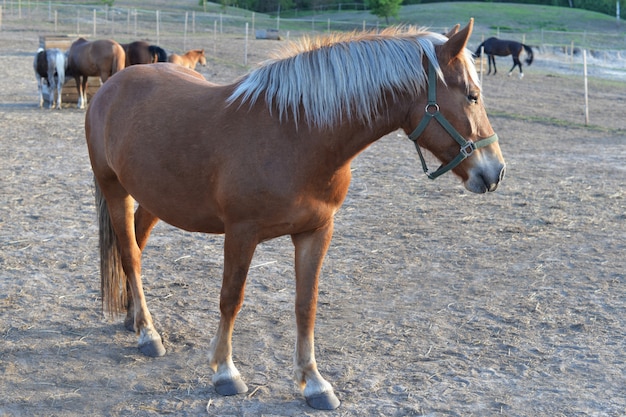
column 389, row 8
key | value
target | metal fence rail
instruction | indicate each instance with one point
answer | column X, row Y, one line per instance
column 176, row 30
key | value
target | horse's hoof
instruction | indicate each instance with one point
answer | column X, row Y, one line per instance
column 228, row 387
column 129, row 323
column 153, row 348
column 323, row 401
column 150, row 343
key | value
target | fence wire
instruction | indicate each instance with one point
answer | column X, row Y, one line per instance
column 179, row 30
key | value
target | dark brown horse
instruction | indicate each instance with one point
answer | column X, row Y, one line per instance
column 501, row 47
column 189, row 59
column 101, row 58
column 269, row 156
column 141, row 52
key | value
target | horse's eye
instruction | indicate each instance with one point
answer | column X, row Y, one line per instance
column 472, row 97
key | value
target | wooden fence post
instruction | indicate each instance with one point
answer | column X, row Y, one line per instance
column 586, row 88
column 158, row 35
column 185, row 33
column 215, row 37
column 245, row 55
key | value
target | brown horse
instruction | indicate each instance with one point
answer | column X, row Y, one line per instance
column 269, row 156
column 189, row 59
column 141, row 52
column 101, row 58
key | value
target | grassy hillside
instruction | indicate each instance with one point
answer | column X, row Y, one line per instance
column 506, row 16
column 489, row 17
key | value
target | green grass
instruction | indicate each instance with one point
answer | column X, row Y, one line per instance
column 489, row 18
column 509, row 16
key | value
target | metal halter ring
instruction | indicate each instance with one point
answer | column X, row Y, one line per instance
column 468, row 148
column 434, row 106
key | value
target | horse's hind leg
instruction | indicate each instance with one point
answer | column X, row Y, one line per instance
column 516, row 63
column 310, row 249
column 82, row 91
column 239, row 248
column 59, row 87
column 121, row 211
column 79, row 90
column 144, row 223
column 40, row 90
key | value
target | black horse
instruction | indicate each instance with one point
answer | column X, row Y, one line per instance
column 501, row 47
column 141, row 52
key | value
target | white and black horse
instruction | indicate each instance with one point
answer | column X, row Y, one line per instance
column 50, row 65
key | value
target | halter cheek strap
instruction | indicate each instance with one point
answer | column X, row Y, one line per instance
column 432, row 112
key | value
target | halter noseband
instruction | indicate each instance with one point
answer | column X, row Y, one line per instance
column 432, row 111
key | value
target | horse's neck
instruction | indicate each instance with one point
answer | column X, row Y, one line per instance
column 351, row 138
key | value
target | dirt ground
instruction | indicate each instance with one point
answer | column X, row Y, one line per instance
column 433, row 301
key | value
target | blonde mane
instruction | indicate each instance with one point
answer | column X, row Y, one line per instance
column 341, row 75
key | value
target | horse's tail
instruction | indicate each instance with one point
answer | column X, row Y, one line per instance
column 529, row 51
column 119, row 60
column 61, row 63
column 158, row 52
column 112, row 276
column 480, row 47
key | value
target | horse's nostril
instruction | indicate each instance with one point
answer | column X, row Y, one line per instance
column 502, row 173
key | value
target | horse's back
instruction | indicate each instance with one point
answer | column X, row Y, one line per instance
column 146, row 91
column 175, row 59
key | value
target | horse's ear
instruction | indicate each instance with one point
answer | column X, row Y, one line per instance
column 453, row 31
column 457, row 42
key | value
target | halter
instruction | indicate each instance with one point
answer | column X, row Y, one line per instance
column 432, row 111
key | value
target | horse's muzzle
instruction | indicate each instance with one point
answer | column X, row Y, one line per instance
column 485, row 180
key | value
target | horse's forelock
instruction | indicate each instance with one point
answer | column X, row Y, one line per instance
column 470, row 75
column 341, row 74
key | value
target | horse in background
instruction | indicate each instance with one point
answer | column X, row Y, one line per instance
column 141, row 52
column 270, row 155
column 501, row 47
column 50, row 65
column 189, row 59
column 100, row 58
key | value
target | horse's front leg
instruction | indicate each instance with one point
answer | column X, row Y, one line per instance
column 310, row 247
column 239, row 248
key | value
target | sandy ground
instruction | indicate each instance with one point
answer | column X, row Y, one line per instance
column 434, row 301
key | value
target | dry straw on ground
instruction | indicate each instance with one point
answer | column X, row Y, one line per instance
column 433, row 301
